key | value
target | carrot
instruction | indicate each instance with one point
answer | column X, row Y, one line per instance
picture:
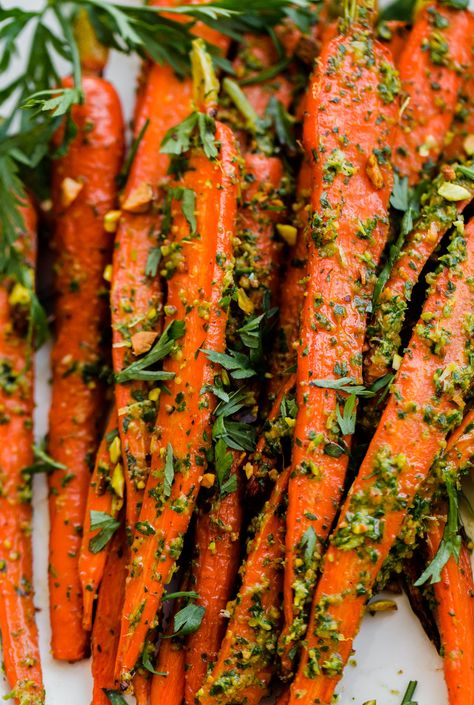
column 215, row 569
column 106, row 497
column 460, row 140
column 84, row 190
column 284, row 354
column 246, row 661
column 394, row 34
column 425, row 403
column 431, row 66
column 17, row 611
column 265, row 461
column 257, row 256
column 455, row 616
column 169, row 689
column 198, row 265
column 450, row 193
column 105, row 633
column 351, row 185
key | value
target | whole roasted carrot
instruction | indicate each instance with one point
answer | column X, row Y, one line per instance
column 198, row 266
column 167, row 685
column 106, row 630
column 449, row 194
column 431, row 66
column 246, row 661
column 84, row 190
column 104, row 501
column 351, row 185
column 426, row 402
column 460, row 139
column 17, row 611
column 257, row 254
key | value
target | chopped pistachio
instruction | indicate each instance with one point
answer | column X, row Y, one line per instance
column 139, row 200
column 115, row 450
column 117, row 480
column 70, row 190
column 288, row 232
column 111, row 220
column 142, row 341
column 453, row 192
column 19, row 295
column 108, row 273
column 208, row 480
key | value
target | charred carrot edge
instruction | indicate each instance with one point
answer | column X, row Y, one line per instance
column 84, row 190
column 341, row 278
column 105, row 634
column 199, row 271
column 105, row 495
column 431, row 66
column 17, row 611
column 426, row 402
column 449, row 194
column 246, row 661
column 284, row 355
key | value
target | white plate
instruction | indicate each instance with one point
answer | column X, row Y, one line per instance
column 391, row 648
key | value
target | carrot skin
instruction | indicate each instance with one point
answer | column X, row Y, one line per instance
column 214, row 572
column 137, row 297
column 351, row 188
column 246, row 661
column 21, row 654
column 101, row 498
column 431, row 69
column 106, row 630
column 399, row 458
column 204, row 278
column 398, row 31
column 454, row 597
column 434, row 221
column 83, row 250
column 169, row 690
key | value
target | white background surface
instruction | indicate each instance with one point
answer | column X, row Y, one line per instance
column 391, row 648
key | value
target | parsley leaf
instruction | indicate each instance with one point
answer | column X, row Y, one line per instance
column 347, row 420
column 153, row 262
column 115, row 697
column 308, row 543
column 42, row 462
column 162, row 348
column 148, row 651
column 236, row 435
column 344, row 384
column 183, row 593
column 451, row 542
column 223, row 463
column 198, row 125
column 237, row 363
column 188, row 620
column 169, row 471
column 398, row 10
column 107, row 525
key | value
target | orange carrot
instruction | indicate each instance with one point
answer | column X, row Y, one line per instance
column 394, row 34
column 17, row 611
column 460, row 139
column 431, row 66
column 214, row 573
column 169, row 689
column 105, row 497
column 351, row 185
column 84, row 191
column 425, row 403
column 246, row 661
column 449, row 194
column 198, row 265
column 105, row 634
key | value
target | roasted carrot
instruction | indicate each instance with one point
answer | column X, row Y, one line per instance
column 105, row 496
column 283, row 358
column 198, row 266
column 84, row 190
column 426, row 402
column 351, row 185
column 454, row 603
column 168, row 686
column 431, row 66
column 106, row 630
column 394, row 34
column 257, row 254
column 449, row 194
column 17, row 611
column 268, row 457
column 460, row 139
column 246, row 661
